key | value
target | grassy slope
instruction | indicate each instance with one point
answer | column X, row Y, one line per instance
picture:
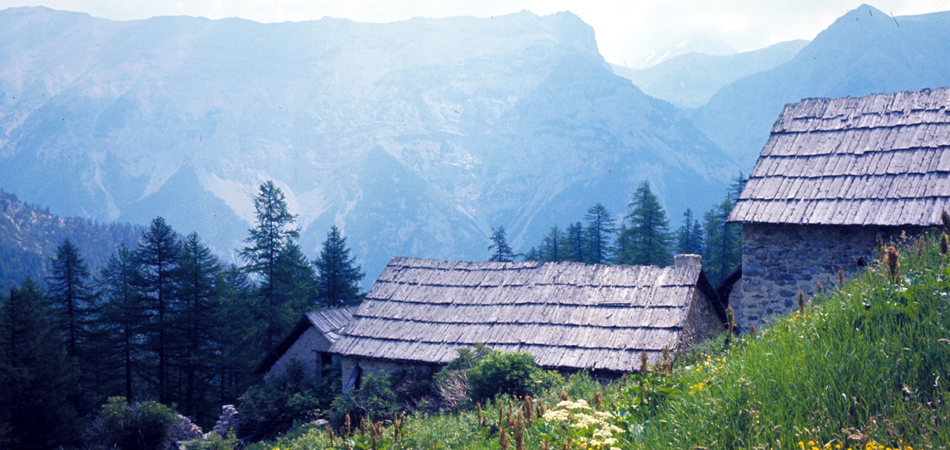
column 862, row 366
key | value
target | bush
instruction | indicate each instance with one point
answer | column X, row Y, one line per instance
column 451, row 382
column 502, row 373
column 274, row 405
column 141, row 425
column 375, row 401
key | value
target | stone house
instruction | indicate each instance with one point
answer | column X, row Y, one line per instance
column 570, row 316
column 308, row 343
column 835, row 175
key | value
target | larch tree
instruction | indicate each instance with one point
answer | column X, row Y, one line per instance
column 73, row 307
column 158, row 253
column 338, row 273
column 264, row 255
column 124, row 312
column 551, row 245
column 647, row 240
column 35, row 375
column 266, row 241
column 575, row 244
column 197, row 294
column 499, row 248
column 601, row 227
column 689, row 237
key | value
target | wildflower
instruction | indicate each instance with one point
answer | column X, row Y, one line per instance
column 840, row 277
column 893, row 265
column 801, row 302
column 944, row 244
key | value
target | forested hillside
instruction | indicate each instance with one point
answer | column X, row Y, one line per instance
column 162, row 320
column 29, row 236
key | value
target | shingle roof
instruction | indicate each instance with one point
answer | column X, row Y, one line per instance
column 877, row 160
column 568, row 315
column 329, row 322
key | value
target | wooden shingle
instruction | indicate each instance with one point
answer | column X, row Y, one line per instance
column 570, row 315
column 853, row 161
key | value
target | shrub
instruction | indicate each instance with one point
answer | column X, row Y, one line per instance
column 502, row 373
column 451, row 382
column 375, row 400
column 141, row 425
column 272, row 406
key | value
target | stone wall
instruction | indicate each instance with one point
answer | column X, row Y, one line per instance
column 780, row 260
column 307, row 349
column 702, row 322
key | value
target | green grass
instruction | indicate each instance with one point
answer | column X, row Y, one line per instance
column 867, row 364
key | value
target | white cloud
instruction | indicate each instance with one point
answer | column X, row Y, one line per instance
column 626, row 30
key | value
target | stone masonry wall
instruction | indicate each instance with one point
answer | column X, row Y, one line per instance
column 780, row 260
column 702, row 322
column 304, row 350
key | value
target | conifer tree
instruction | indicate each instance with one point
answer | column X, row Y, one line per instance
column 647, row 240
column 269, row 238
column 158, row 253
column 576, row 243
column 271, row 248
column 124, row 313
column 35, row 376
column 551, row 246
column 338, row 273
column 533, row 254
column 689, row 237
column 500, row 251
column 601, row 227
column 197, row 293
column 71, row 298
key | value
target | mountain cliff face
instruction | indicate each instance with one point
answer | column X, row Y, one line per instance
column 414, row 137
column 863, row 52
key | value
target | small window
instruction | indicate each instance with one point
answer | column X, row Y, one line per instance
column 861, row 262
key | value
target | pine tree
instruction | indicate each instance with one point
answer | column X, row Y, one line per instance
column 647, row 240
column 158, row 253
column 35, row 375
column 268, row 240
column 500, row 251
column 197, row 292
column 689, row 237
column 575, row 243
column 124, row 314
column 600, row 229
column 338, row 273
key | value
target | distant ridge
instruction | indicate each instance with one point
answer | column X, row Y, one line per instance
column 864, row 52
column 691, row 79
column 29, row 236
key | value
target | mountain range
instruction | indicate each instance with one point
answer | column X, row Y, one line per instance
column 866, row 51
column 414, row 137
column 690, row 79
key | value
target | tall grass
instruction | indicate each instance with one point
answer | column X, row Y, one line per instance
column 861, row 366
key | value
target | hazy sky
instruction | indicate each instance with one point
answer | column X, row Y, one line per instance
column 626, row 30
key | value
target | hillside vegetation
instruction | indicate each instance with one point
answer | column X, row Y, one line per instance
column 29, row 236
column 863, row 365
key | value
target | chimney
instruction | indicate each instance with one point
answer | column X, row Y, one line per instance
column 688, row 260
